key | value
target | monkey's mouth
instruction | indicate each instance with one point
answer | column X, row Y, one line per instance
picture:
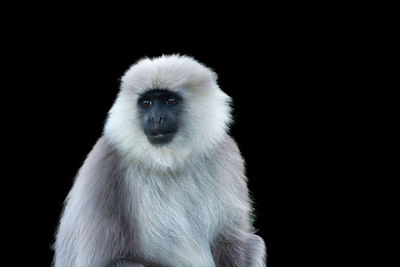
column 160, row 138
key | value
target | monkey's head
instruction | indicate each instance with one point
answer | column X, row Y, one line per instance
column 168, row 108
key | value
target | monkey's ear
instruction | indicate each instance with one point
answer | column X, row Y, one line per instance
column 214, row 74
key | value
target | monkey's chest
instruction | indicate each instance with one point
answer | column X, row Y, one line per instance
column 178, row 224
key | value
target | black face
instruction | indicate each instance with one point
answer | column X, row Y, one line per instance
column 159, row 113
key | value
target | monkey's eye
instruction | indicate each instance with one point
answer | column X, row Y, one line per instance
column 146, row 103
column 171, row 101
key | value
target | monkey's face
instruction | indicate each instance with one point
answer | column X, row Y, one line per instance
column 159, row 114
column 168, row 109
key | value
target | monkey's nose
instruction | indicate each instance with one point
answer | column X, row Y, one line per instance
column 157, row 119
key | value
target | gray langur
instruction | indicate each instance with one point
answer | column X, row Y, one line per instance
column 165, row 183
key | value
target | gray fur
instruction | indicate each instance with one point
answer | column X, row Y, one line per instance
column 121, row 212
column 210, row 190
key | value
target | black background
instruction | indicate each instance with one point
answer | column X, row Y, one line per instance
column 63, row 81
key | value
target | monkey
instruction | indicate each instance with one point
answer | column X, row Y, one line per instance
column 165, row 184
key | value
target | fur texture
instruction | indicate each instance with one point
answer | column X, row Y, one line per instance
column 197, row 84
column 183, row 204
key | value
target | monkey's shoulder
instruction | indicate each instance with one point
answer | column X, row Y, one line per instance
column 227, row 156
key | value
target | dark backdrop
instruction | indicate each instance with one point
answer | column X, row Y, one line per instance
column 64, row 82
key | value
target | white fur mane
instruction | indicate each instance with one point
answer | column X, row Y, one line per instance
column 206, row 115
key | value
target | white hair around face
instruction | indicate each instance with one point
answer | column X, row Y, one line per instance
column 205, row 119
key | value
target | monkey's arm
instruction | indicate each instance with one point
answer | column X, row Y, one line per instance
column 94, row 229
column 239, row 250
column 237, row 245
